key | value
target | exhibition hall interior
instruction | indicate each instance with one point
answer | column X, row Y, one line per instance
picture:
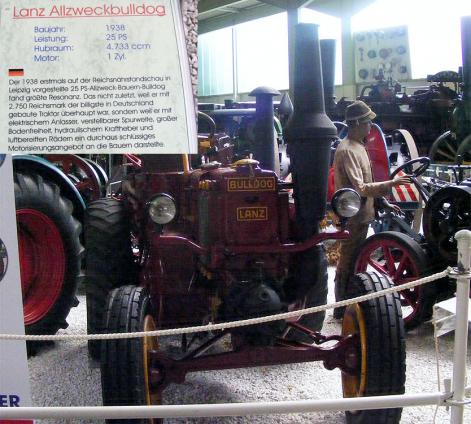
column 235, row 211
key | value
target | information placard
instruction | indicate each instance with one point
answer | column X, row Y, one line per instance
column 14, row 377
column 88, row 76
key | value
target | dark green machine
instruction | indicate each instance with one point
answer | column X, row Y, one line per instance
column 455, row 145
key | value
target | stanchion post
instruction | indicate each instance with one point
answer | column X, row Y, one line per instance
column 463, row 238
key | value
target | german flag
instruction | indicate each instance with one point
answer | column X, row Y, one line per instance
column 16, row 72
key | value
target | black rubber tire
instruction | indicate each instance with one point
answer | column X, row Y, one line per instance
column 122, row 361
column 385, row 349
column 316, row 294
column 427, row 293
column 109, row 260
column 35, row 193
column 446, row 212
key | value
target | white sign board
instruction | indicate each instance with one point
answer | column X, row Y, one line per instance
column 382, row 50
column 89, row 76
column 14, row 378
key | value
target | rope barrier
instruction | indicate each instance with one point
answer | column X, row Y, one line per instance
column 225, row 325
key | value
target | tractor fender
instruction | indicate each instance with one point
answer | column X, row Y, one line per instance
column 40, row 166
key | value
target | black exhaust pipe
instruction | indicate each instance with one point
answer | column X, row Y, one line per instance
column 264, row 149
column 328, row 73
column 309, row 133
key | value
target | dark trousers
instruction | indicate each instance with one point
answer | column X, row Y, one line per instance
column 348, row 254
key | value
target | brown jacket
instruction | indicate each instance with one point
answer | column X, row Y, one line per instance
column 352, row 169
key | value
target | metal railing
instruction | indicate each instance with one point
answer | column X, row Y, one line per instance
column 454, row 395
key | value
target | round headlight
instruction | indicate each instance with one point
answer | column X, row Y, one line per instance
column 346, row 202
column 162, row 209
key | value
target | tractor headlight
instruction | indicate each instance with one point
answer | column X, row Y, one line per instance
column 162, row 209
column 346, row 202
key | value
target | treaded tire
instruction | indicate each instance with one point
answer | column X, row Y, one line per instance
column 42, row 210
column 417, row 265
column 109, row 260
column 123, row 367
column 446, row 212
column 385, row 346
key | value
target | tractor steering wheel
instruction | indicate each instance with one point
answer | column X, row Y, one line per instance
column 415, row 173
column 411, row 172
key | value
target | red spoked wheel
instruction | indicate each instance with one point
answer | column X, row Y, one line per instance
column 403, row 260
column 42, row 259
column 50, row 253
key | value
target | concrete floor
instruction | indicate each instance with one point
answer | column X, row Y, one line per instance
column 63, row 375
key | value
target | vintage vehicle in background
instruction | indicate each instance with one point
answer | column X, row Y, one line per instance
column 456, row 141
column 438, row 116
column 51, row 193
column 180, row 246
column 404, row 254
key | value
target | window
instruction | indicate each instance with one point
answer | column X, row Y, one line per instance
column 434, row 30
column 329, row 27
column 215, row 63
column 262, row 53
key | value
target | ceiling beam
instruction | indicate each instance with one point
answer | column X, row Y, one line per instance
column 339, row 8
column 210, row 5
column 229, row 19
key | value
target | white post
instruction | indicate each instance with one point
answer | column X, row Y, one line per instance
column 463, row 238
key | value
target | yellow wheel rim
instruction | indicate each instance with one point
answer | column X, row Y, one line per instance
column 149, row 344
column 354, row 324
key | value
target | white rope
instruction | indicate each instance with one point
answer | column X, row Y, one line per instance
column 233, row 324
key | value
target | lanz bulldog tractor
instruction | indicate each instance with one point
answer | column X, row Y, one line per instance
column 183, row 247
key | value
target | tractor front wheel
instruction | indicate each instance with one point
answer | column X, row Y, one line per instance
column 403, row 260
column 380, row 357
column 109, row 260
column 125, row 368
column 50, row 253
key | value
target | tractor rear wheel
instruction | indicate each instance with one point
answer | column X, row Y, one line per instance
column 403, row 260
column 109, row 260
column 381, row 354
column 50, row 253
column 444, row 148
column 125, row 368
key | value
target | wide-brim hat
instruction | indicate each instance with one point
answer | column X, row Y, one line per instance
column 359, row 111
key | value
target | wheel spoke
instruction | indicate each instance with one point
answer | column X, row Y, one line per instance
column 446, row 155
column 401, row 268
column 389, row 259
column 409, row 297
column 377, row 266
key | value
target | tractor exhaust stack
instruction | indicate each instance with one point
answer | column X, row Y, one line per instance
column 328, row 72
column 309, row 133
column 265, row 151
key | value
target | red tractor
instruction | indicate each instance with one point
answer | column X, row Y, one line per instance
column 181, row 247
